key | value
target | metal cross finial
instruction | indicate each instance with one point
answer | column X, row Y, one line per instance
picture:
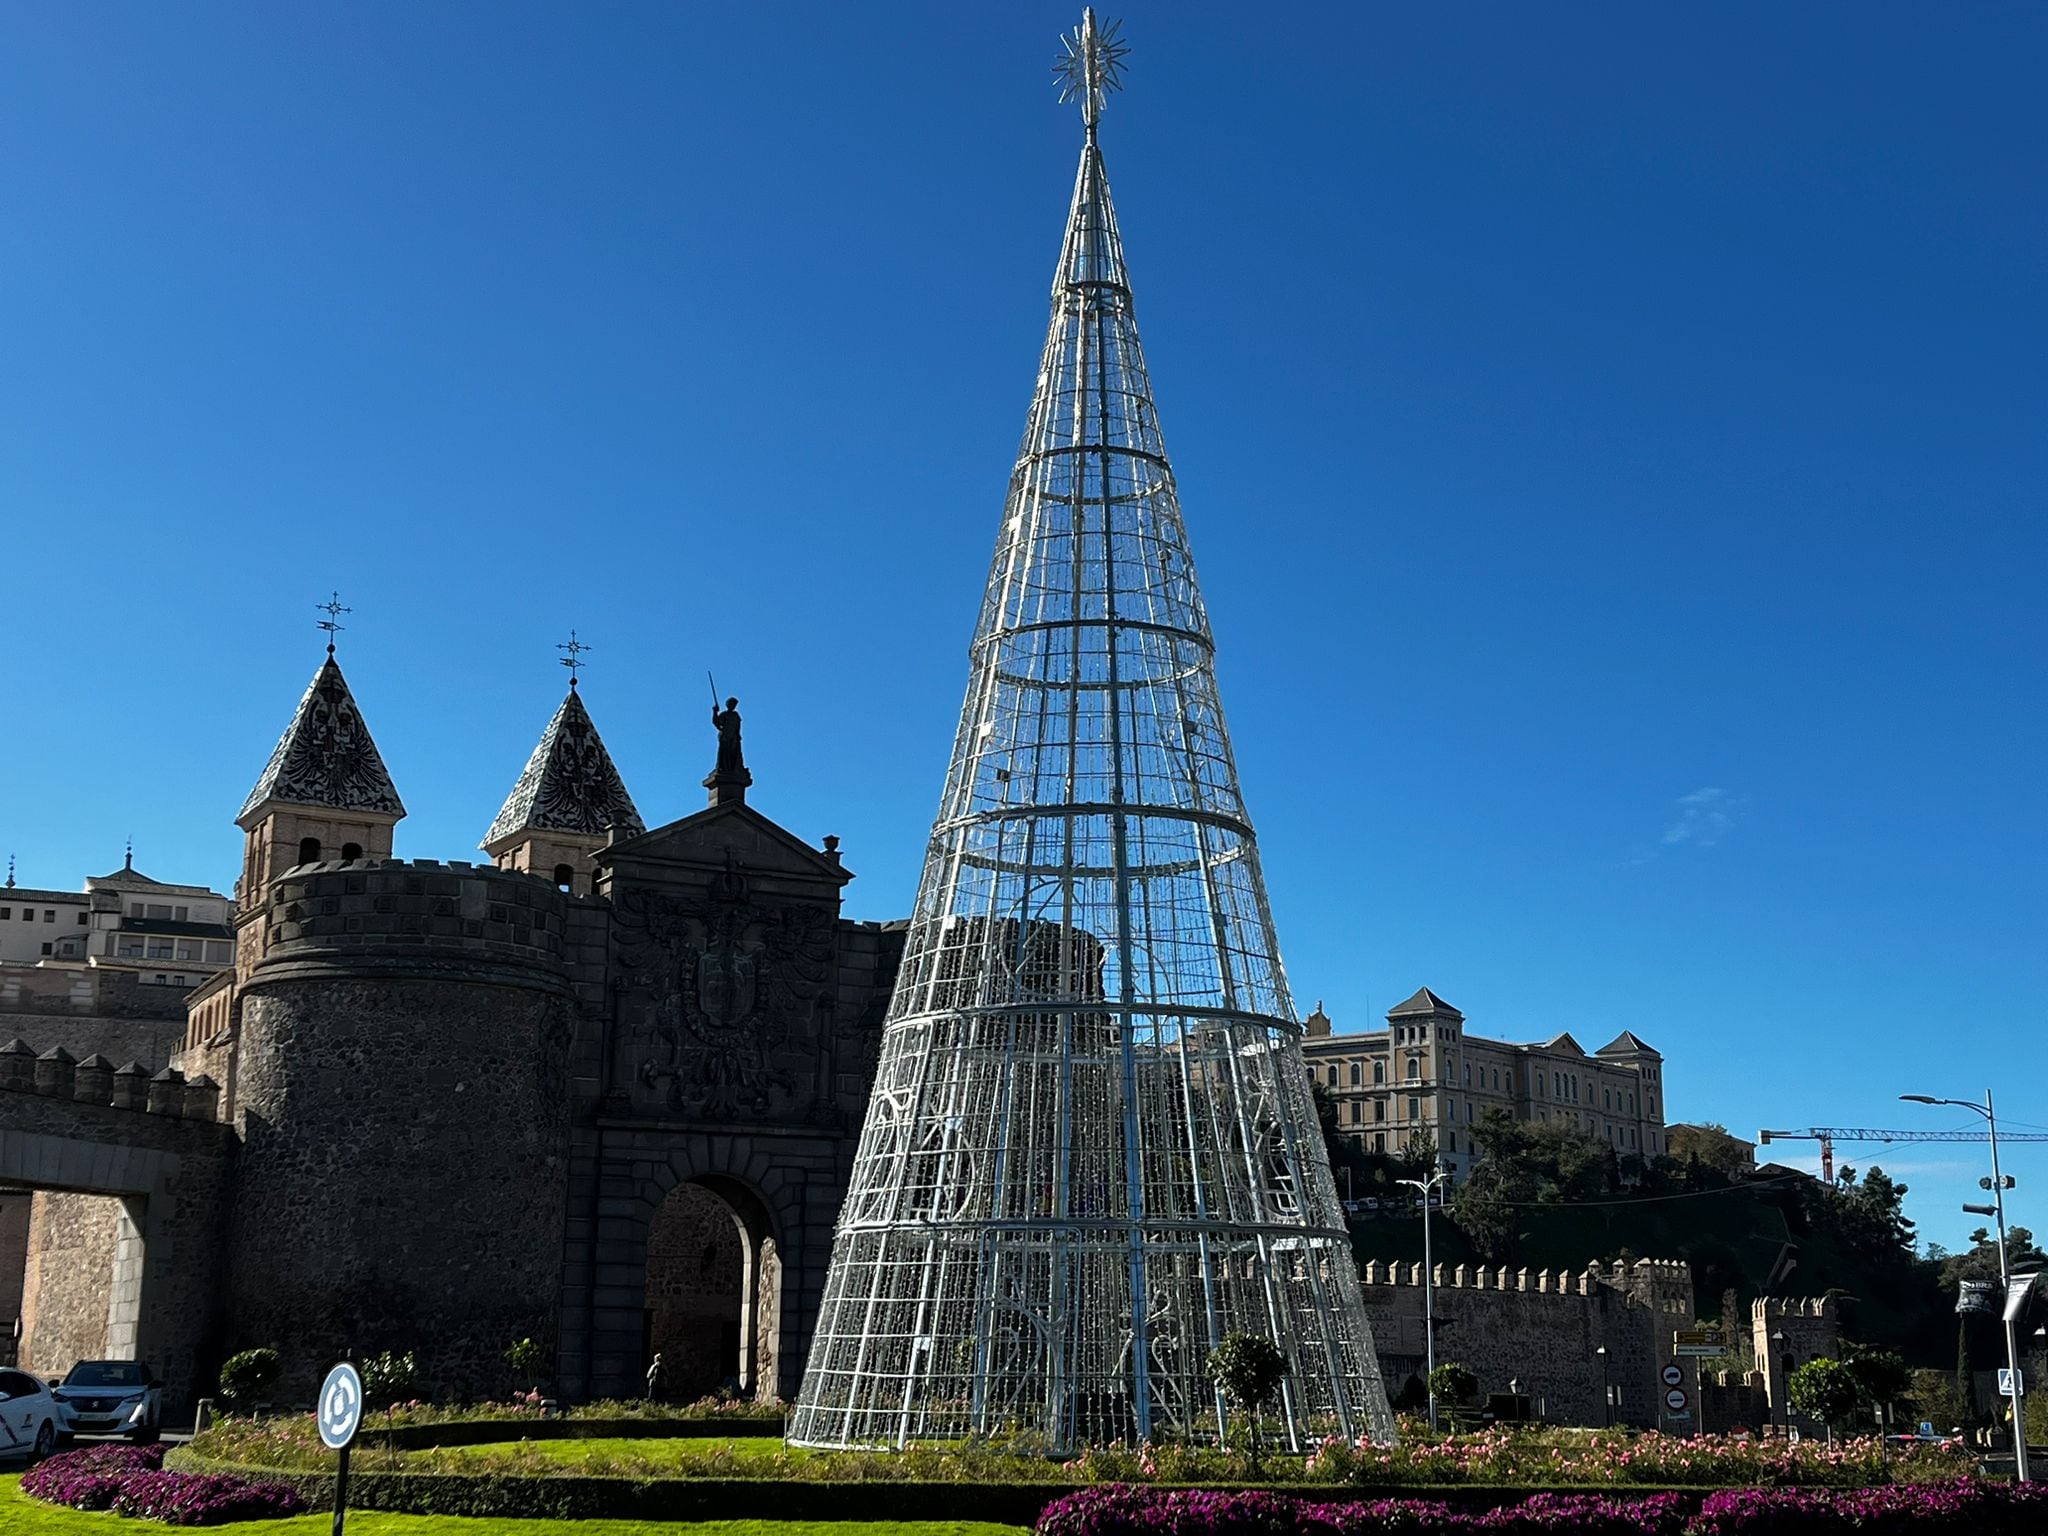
column 574, row 659
column 334, row 610
column 10, row 872
column 1092, row 66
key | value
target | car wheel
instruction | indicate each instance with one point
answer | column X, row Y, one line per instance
column 46, row 1441
column 146, row 1435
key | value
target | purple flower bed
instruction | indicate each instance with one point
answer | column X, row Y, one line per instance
column 1119, row 1510
column 130, row 1480
column 1903, row 1509
column 1907, row 1509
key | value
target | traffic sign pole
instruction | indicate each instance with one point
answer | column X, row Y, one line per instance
column 339, row 1416
column 341, row 1493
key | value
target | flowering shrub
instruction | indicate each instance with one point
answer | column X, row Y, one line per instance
column 1981, row 1508
column 1920, row 1509
column 90, row 1478
column 1615, row 1459
column 1124, row 1511
column 129, row 1480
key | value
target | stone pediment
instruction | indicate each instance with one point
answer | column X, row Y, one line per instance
column 723, row 836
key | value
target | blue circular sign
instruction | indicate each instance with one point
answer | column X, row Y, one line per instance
column 341, row 1407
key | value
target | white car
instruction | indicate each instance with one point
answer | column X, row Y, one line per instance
column 30, row 1418
column 111, row 1397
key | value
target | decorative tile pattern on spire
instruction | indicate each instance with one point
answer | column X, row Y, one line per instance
column 570, row 784
column 326, row 756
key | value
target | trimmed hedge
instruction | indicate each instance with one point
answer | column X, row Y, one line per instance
column 505, row 1496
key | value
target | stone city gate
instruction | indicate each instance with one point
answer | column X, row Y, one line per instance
column 149, row 1153
column 782, row 1192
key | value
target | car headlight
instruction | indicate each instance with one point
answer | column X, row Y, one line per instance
column 139, row 1411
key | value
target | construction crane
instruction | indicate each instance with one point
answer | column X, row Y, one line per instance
column 1828, row 1135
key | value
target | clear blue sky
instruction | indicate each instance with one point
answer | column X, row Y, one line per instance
column 1612, row 436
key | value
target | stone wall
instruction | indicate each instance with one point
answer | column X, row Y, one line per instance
column 90, row 1010
column 1540, row 1329
column 402, row 1096
column 14, row 1218
column 69, row 1281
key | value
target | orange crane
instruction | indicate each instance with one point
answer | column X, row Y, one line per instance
column 1828, row 1135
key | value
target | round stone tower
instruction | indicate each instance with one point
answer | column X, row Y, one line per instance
column 402, row 1095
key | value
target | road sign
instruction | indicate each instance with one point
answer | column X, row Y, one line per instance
column 341, row 1407
column 1676, row 1401
column 1674, row 1376
column 1698, row 1343
column 2005, row 1381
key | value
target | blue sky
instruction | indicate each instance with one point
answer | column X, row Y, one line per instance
column 1612, row 438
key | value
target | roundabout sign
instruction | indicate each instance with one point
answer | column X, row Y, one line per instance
column 341, row 1407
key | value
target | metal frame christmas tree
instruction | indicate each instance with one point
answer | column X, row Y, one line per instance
column 1091, row 1151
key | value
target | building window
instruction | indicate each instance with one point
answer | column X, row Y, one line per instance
column 1355, row 1116
column 1330, row 1073
column 1450, row 1141
column 1355, row 1074
column 131, row 949
column 46, row 949
column 188, row 949
column 160, row 910
column 1379, row 1071
column 1379, row 1109
column 1379, row 1141
column 309, row 850
column 83, row 918
column 160, row 949
column 7, row 912
column 219, row 952
column 1414, row 1107
column 49, row 914
column 1414, row 1069
column 28, row 914
column 351, row 851
column 162, row 979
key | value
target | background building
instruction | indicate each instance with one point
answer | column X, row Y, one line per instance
column 1424, row 1074
column 167, row 935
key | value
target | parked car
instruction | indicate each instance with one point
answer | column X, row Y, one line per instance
column 30, row 1417
column 111, row 1397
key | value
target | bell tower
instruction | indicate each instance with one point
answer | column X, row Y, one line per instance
column 325, row 793
column 569, row 799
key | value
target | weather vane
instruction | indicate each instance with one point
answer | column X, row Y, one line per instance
column 1092, row 66
column 574, row 659
column 332, row 623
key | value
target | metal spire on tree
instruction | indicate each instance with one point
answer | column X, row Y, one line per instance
column 1091, row 1152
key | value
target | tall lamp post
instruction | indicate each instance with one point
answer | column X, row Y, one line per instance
column 2012, row 1348
column 1425, row 1187
column 1606, row 1386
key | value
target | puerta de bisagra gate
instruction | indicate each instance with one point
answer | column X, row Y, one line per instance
column 1091, row 1152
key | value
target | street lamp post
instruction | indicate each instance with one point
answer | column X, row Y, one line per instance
column 1425, row 1187
column 1774, row 1371
column 2012, row 1348
column 1606, row 1386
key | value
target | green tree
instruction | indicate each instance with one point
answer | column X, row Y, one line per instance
column 1934, row 1397
column 526, row 1357
column 1826, row 1390
column 1248, row 1370
column 387, row 1377
column 245, row 1378
column 1453, row 1383
column 1882, row 1379
column 1709, row 1145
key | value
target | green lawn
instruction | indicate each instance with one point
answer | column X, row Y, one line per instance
column 21, row 1515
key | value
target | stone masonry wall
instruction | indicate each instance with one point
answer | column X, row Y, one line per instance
column 69, row 1280
column 92, row 1011
column 402, row 1094
column 1540, row 1329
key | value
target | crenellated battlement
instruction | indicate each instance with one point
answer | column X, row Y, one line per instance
column 415, row 911
column 1778, row 1308
column 55, row 1074
column 1560, row 1282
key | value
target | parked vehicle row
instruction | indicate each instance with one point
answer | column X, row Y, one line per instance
column 97, row 1397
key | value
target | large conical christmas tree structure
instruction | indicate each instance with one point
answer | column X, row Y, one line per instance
column 1091, row 1152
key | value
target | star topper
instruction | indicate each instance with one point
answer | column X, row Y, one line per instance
column 574, row 659
column 1092, row 65
column 332, row 623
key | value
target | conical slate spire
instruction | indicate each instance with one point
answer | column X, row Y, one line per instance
column 1091, row 1150
column 570, row 784
column 326, row 756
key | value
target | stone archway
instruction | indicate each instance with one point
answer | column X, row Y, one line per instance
column 714, row 1290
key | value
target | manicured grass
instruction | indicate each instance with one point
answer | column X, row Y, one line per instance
column 21, row 1515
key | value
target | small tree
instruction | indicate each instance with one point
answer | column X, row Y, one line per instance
column 387, row 1377
column 245, row 1377
column 526, row 1358
column 1826, row 1390
column 1452, row 1383
column 1881, row 1379
column 1248, row 1370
